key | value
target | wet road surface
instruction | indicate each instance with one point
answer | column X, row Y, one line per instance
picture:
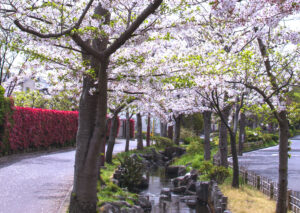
column 39, row 182
column 265, row 162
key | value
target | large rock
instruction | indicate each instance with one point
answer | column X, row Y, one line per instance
column 119, row 207
column 175, row 171
column 173, row 151
column 179, row 190
column 166, row 191
column 144, row 203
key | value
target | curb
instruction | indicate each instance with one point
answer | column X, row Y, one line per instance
column 64, row 206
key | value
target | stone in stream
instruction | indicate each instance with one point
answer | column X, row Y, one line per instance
column 175, row 171
column 144, row 203
column 173, row 151
column 179, row 190
column 166, row 192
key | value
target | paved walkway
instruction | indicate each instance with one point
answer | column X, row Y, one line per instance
column 265, row 163
column 38, row 183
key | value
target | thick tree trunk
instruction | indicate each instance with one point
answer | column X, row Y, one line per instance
column 281, row 206
column 91, row 133
column 148, row 130
column 207, row 129
column 127, row 132
column 163, row 129
column 242, row 133
column 139, row 132
column 177, row 130
column 112, row 138
column 170, row 132
column 223, row 139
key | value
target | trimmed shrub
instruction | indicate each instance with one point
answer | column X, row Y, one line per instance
column 162, row 142
column 6, row 109
column 35, row 128
column 219, row 174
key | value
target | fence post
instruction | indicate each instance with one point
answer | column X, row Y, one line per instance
column 258, row 182
column 271, row 190
column 289, row 199
column 246, row 177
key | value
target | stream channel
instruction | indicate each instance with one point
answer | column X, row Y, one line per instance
column 177, row 204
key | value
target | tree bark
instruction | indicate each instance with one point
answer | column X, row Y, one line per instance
column 139, row 132
column 235, row 162
column 207, row 129
column 148, row 130
column 176, row 137
column 242, row 133
column 112, row 138
column 281, row 206
column 127, row 132
column 163, row 129
column 223, row 143
column 90, row 135
column 170, row 132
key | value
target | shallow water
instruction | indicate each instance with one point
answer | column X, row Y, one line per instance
column 157, row 181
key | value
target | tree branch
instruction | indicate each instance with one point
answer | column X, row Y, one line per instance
column 132, row 28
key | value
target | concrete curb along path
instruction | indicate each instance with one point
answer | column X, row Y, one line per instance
column 39, row 182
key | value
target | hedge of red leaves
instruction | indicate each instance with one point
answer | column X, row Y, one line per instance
column 41, row 128
column 35, row 128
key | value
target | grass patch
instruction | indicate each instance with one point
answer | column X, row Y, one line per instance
column 246, row 198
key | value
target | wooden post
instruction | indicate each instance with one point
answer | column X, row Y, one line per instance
column 271, row 190
column 246, row 177
column 289, row 199
column 224, row 203
column 258, row 182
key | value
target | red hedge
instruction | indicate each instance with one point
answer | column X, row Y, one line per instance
column 41, row 128
column 33, row 128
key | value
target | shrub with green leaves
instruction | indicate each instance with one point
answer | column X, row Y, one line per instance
column 218, row 174
column 205, row 167
column 131, row 172
column 162, row 142
column 195, row 147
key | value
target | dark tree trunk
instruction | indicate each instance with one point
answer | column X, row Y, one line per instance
column 112, row 138
column 242, row 133
column 170, row 132
column 207, row 129
column 235, row 162
column 223, row 138
column 127, row 132
column 177, row 130
column 90, row 136
column 281, row 206
column 163, row 129
column 139, row 132
column 148, row 130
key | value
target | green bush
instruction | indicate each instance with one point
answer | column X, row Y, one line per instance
column 195, row 147
column 162, row 142
column 218, row 174
column 186, row 133
column 132, row 172
column 205, row 167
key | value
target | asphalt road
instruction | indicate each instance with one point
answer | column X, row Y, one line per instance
column 265, row 163
column 38, row 183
